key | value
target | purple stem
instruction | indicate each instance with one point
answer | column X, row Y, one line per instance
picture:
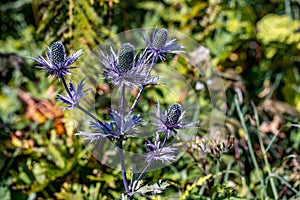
column 66, row 86
column 119, row 143
column 142, row 89
column 148, row 164
column 135, row 101
column 121, row 157
column 122, row 107
column 81, row 108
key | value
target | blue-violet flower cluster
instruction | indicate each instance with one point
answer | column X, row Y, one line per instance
column 126, row 68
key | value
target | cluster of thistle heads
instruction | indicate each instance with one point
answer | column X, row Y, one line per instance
column 126, row 68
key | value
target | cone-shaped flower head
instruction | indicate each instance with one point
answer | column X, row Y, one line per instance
column 57, row 53
column 170, row 120
column 160, row 38
column 126, row 57
column 159, row 44
column 127, row 67
column 56, row 63
column 173, row 114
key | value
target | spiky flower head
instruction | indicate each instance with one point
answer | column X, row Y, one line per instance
column 125, row 68
column 159, row 45
column 126, row 57
column 57, row 53
column 173, row 114
column 160, row 38
column 170, row 120
column 56, row 63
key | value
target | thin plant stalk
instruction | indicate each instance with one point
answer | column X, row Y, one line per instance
column 141, row 174
column 240, row 114
column 122, row 107
column 276, row 134
column 274, row 190
column 217, row 179
column 10, row 162
column 149, row 163
column 80, row 107
column 141, row 90
column 226, row 177
column 121, row 157
column 284, row 182
column 164, row 142
column 66, row 86
column 136, row 100
column 120, row 144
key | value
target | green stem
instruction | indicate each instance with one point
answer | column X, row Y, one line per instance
column 10, row 162
column 284, row 182
column 274, row 190
column 240, row 114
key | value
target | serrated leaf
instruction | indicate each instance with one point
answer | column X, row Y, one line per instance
column 156, row 188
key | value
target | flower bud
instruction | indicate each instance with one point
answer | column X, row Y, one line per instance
column 126, row 57
column 160, row 38
column 173, row 114
column 57, row 53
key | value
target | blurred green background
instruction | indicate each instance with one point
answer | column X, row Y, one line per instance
column 255, row 44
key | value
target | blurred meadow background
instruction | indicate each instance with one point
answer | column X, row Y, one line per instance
column 254, row 44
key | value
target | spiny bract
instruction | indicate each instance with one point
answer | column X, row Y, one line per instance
column 160, row 39
column 126, row 57
column 173, row 114
column 57, row 53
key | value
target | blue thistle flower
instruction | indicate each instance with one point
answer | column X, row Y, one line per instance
column 56, row 63
column 160, row 38
column 76, row 95
column 158, row 44
column 170, row 120
column 123, row 70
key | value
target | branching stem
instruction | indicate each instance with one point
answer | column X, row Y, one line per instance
column 149, row 163
column 141, row 90
column 80, row 107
